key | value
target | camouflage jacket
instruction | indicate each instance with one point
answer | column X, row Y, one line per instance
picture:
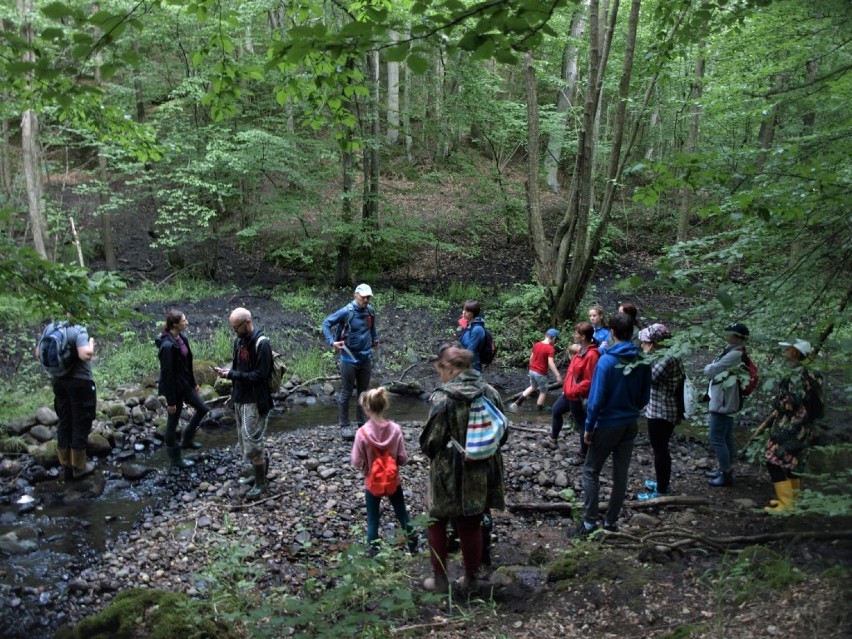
column 458, row 487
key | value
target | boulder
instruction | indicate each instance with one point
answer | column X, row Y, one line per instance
column 20, row 426
column 19, row 542
column 134, row 471
column 42, row 433
column 115, row 410
column 47, row 416
column 9, row 468
column 152, row 403
column 97, row 445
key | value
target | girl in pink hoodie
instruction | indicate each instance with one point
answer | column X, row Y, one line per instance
column 377, row 436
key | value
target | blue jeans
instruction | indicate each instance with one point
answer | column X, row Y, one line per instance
column 617, row 441
column 352, row 377
column 374, row 511
column 722, row 439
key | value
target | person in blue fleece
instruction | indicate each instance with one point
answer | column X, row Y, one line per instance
column 621, row 387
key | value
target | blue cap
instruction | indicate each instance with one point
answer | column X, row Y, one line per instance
column 552, row 333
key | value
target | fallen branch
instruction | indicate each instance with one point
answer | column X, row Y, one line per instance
column 551, row 386
column 252, row 503
column 426, row 626
column 537, row 431
column 670, row 500
column 405, row 372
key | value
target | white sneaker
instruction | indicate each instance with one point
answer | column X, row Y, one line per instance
column 514, row 408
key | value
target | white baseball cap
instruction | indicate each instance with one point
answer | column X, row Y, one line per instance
column 364, row 290
column 803, row 346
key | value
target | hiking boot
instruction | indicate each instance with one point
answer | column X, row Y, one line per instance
column 347, row 434
column 579, row 460
column 514, row 408
column 651, row 495
column 87, row 469
column 467, row 584
column 540, row 408
column 724, row 479
column 79, row 466
column 712, row 474
column 413, row 543
column 650, row 484
column 549, row 442
column 190, row 445
column 613, row 528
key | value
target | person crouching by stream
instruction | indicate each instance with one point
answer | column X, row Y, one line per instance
column 250, row 371
column 458, row 488
column 797, row 406
column 177, row 384
column 373, row 439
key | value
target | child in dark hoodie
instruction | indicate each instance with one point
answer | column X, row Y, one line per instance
column 373, row 438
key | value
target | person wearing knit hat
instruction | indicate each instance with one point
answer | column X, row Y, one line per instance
column 541, row 360
column 662, row 411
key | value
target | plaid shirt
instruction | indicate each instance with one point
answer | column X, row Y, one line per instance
column 666, row 374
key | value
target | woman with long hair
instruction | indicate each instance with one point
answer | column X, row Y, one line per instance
column 177, row 384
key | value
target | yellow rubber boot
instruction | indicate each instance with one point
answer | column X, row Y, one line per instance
column 784, row 493
column 796, row 483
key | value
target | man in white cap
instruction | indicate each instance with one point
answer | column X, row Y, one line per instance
column 353, row 337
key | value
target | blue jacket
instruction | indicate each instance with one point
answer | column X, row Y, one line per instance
column 601, row 336
column 617, row 399
column 359, row 335
column 472, row 338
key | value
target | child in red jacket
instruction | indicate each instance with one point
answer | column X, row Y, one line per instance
column 375, row 437
column 541, row 361
column 575, row 391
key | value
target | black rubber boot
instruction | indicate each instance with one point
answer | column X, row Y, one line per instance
column 260, row 487
column 175, row 459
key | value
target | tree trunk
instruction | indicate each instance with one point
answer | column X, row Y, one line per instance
column 652, row 124
column 393, row 97
column 103, row 177
column 692, row 144
column 565, row 98
column 31, row 151
column 540, row 245
column 344, row 254
column 370, row 207
column 406, row 114
column 137, row 87
column 766, row 136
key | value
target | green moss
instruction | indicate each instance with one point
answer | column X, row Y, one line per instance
column 539, row 556
column 13, row 445
column 150, row 614
column 561, row 569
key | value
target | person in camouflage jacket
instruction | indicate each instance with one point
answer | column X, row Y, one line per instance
column 458, row 489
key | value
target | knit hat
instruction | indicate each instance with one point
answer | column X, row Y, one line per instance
column 738, row 329
column 654, row 334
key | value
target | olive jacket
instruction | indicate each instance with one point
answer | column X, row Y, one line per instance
column 458, row 487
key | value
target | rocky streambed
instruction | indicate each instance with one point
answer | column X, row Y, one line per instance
column 138, row 523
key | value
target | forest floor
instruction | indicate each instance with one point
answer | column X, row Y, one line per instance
column 677, row 570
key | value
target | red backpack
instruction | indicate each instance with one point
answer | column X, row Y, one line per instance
column 753, row 377
column 383, row 478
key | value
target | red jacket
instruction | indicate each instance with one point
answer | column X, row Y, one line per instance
column 578, row 377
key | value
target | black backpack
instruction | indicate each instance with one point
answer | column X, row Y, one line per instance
column 57, row 349
column 488, row 349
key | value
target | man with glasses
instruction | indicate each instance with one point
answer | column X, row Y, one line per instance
column 353, row 338
column 250, row 370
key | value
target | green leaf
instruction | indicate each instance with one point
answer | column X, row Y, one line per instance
column 417, row 64
column 57, row 11
column 725, row 299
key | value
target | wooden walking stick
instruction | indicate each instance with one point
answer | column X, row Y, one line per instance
column 760, row 429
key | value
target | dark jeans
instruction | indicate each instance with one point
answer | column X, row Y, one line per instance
column 352, row 377
column 374, row 512
column 562, row 406
column 618, row 441
column 660, row 432
column 721, row 436
column 74, row 401
column 191, row 398
column 470, row 536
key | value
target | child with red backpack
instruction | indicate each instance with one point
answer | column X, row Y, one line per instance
column 378, row 452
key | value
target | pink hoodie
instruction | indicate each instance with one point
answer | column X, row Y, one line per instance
column 382, row 436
